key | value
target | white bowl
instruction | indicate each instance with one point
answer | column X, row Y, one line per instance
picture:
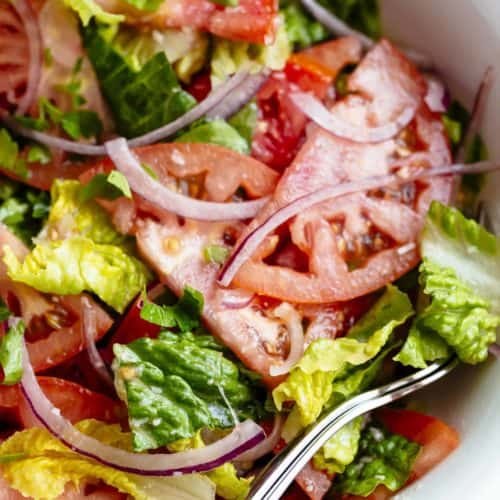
column 463, row 37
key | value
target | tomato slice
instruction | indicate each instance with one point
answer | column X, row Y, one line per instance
column 281, row 125
column 355, row 244
column 437, row 439
column 314, row 483
column 54, row 329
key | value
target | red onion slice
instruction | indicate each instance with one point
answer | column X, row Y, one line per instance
column 294, row 326
column 236, row 299
column 266, row 446
column 30, row 22
column 240, row 96
column 150, row 189
column 223, row 91
column 436, row 94
column 251, row 242
column 316, row 111
column 340, row 28
column 477, row 114
column 89, row 327
column 243, row 438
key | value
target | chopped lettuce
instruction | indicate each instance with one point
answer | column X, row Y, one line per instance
column 216, row 254
column 88, row 9
column 228, row 485
column 216, row 132
column 301, row 28
column 9, row 155
column 11, row 350
column 23, row 209
column 77, row 264
column 185, row 314
column 147, row 5
column 178, row 384
column 340, row 450
column 245, row 121
column 228, row 56
column 310, row 383
column 383, row 459
column 39, row 466
column 141, row 99
column 226, row 3
column 450, row 240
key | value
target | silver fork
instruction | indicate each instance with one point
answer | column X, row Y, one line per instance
column 282, row 470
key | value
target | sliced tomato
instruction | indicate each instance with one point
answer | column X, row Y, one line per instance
column 437, row 439
column 200, row 86
column 281, row 125
column 355, row 244
column 54, row 330
column 314, row 483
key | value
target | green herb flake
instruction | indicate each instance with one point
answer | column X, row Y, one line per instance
column 216, row 254
column 11, row 350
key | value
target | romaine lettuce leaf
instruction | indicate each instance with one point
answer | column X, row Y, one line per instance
column 228, row 56
column 310, row 383
column 340, row 450
column 383, row 458
column 141, row 99
column 216, row 132
column 178, row 384
column 228, row 485
column 11, row 350
column 76, row 264
column 449, row 240
column 301, row 28
column 245, row 121
column 88, row 9
column 9, row 155
column 39, row 466
column 23, row 209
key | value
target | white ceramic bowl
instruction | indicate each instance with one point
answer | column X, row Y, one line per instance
column 463, row 37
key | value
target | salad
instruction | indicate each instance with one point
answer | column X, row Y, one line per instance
column 218, row 220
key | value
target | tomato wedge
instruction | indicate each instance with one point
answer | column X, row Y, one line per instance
column 314, row 483
column 358, row 243
column 54, row 329
column 281, row 125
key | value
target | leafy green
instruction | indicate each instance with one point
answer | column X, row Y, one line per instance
column 362, row 15
column 4, row 311
column 229, row 56
column 118, row 180
column 101, row 187
column 216, row 132
column 76, row 264
column 88, row 9
column 301, row 28
column 383, row 458
column 245, row 121
column 23, row 209
column 422, row 345
column 228, row 485
column 177, row 385
column 310, row 383
column 226, row 3
column 39, row 466
column 147, row 5
column 9, row 155
column 450, row 240
column 185, row 314
column 11, row 353
column 340, row 450
column 39, row 154
column 141, row 99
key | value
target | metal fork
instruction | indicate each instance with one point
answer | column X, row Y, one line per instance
column 282, row 470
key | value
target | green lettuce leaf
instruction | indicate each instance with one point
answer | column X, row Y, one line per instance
column 245, row 121
column 23, row 209
column 9, row 155
column 11, row 353
column 226, row 3
column 88, row 9
column 340, row 450
column 39, row 466
column 310, row 383
column 177, row 385
column 141, row 99
column 185, row 314
column 228, row 56
column 301, row 28
column 383, row 458
column 228, row 485
column 147, row 5
column 216, row 132
column 76, row 264
column 450, row 240
column 456, row 314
